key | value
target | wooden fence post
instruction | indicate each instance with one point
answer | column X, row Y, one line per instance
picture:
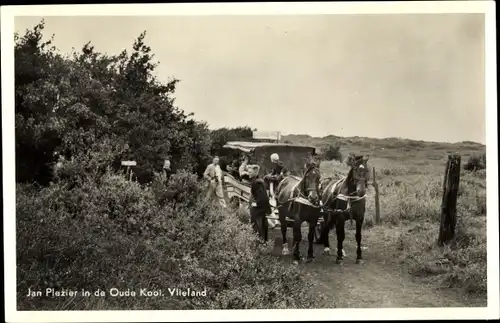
column 377, row 202
column 449, row 202
column 129, row 173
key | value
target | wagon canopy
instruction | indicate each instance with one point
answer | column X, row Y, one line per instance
column 293, row 156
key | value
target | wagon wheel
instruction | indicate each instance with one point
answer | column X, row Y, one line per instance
column 234, row 204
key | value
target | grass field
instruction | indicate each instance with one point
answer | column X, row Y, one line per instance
column 410, row 176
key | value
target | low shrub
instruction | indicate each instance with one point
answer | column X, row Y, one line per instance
column 413, row 201
column 114, row 234
column 332, row 152
column 461, row 264
column 182, row 187
column 476, row 162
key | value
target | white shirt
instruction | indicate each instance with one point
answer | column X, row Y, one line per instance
column 218, row 172
column 213, row 171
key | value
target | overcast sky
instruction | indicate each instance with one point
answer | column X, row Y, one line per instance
column 413, row 76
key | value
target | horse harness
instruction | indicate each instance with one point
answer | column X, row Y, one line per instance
column 343, row 197
column 301, row 198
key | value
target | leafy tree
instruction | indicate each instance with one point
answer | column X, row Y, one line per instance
column 37, row 130
column 221, row 136
column 67, row 103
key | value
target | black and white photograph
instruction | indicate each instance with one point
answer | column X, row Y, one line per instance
column 292, row 161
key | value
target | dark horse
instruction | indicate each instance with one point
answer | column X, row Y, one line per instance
column 298, row 200
column 345, row 199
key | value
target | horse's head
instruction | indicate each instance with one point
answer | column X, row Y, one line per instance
column 359, row 172
column 311, row 182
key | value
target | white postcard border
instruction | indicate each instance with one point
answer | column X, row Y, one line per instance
column 7, row 24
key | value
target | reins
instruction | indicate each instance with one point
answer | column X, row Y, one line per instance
column 349, row 198
column 301, row 198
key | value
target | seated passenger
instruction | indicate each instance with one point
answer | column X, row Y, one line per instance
column 235, row 168
column 243, row 171
column 279, row 171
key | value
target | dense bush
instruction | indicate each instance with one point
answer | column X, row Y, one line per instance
column 183, row 187
column 332, row 152
column 66, row 104
column 476, row 162
column 115, row 234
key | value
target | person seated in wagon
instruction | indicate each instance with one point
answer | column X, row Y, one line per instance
column 279, row 171
column 234, row 167
column 243, row 170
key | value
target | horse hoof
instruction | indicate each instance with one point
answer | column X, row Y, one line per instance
column 309, row 259
column 326, row 251
column 296, row 262
column 285, row 251
column 359, row 261
column 339, row 261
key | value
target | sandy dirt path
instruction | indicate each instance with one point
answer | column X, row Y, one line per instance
column 381, row 281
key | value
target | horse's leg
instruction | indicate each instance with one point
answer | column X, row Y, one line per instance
column 329, row 222
column 324, row 231
column 359, row 226
column 283, row 227
column 297, row 234
column 340, row 230
column 310, row 236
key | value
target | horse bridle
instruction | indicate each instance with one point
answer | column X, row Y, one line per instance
column 349, row 198
column 309, row 189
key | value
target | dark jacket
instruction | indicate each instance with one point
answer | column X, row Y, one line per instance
column 235, row 165
column 167, row 173
column 279, row 170
column 259, row 195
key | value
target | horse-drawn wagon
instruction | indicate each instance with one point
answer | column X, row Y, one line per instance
column 237, row 190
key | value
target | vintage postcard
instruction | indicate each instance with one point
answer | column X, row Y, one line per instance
column 250, row 161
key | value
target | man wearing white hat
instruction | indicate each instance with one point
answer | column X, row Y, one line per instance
column 279, row 171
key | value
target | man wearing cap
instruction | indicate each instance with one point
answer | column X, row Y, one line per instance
column 279, row 171
column 213, row 174
column 259, row 203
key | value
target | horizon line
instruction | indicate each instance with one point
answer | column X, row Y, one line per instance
column 211, row 128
